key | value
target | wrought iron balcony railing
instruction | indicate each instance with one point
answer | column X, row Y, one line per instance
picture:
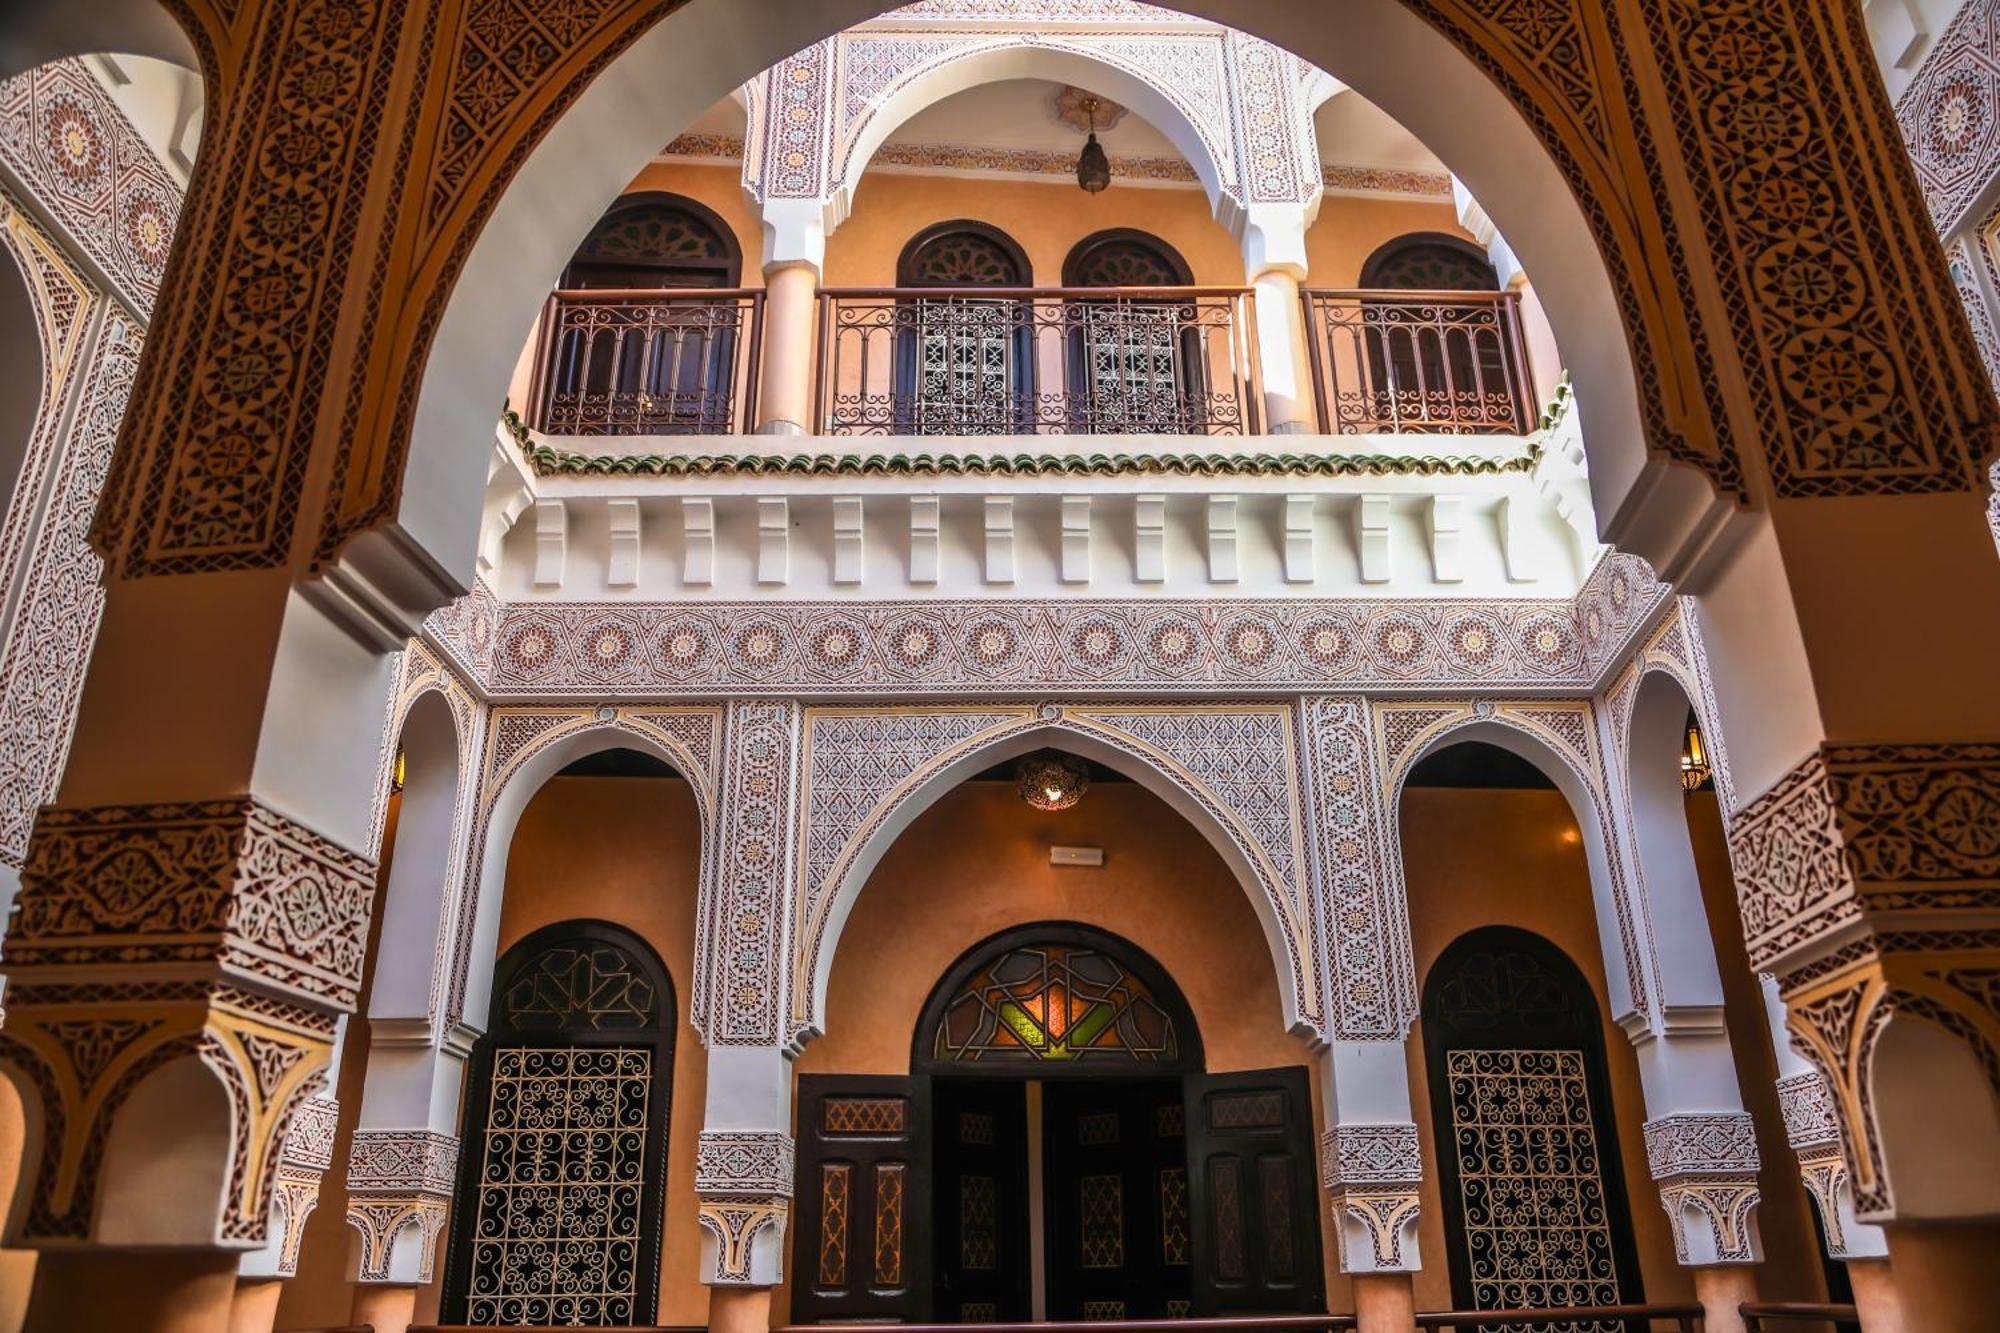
column 1045, row 360
column 645, row 362
column 1419, row 363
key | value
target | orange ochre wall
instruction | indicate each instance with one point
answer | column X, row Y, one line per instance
column 1047, row 220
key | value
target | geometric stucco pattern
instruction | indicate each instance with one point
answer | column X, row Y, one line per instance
column 1706, row 1167
column 1238, row 764
column 1184, row 647
column 66, row 143
column 221, row 931
column 83, row 386
column 1372, row 986
column 1950, row 114
column 1869, row 878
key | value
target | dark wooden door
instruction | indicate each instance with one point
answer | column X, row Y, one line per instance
column 1250, row 1160
column 863, row 1228
column 981, row 1206
column 1116, row 1199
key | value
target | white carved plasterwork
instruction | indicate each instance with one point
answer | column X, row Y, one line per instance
column 1353, row 1156
column 1706, row 1167
column 1373, row 988
column 1675, row 648
column 402, row 1161
column 690, row 738
column 944, row 648
column 744, row 1162
column 1238, row 762
column 741, row 1231
column 1811, row 1121
column 746, row 885
column 1406, row 731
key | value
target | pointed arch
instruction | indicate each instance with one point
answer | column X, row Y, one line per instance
column 1182, row 756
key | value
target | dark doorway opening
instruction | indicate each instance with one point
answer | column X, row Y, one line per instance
column 1065, row 1155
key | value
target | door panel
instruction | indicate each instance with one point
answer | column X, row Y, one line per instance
column 981, row 1208
column 1250, row 1162
column 1116, row 1200
column 862, row 1235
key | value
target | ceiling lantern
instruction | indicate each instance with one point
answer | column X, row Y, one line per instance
column 1695, row 768
column 1093, row 168
column 1050, row 781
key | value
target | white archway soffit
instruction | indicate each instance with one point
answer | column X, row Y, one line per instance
column 1564, row 742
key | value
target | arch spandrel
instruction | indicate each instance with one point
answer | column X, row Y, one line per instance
column 1232, row 770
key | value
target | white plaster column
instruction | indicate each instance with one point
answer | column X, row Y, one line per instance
column 1369, row 1159
column 794, row 256
column 303, row 1160
column 744, row 1170
column 1812, row 1127
column 1274, row 264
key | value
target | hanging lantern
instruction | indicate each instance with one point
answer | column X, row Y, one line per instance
column 1695, row 771
column 1093, row 168
column 1051, row 781
column 400, row 772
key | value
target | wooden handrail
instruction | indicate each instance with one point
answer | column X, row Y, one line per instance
column 984, row 293
column 543, row 1328
column 1685, row 1318
column 343, row 1328
column 1757, row 1314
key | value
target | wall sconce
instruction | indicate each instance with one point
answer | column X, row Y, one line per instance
column 1695, row 770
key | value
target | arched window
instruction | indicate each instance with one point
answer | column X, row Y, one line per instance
column 656, row 240
column 1435, row 364
column 1135, row 361
column 964, row 363
column 565, row 1135
column 619, row 359
column 1429, row 262
column 1534, row 1201
column 1060, row 999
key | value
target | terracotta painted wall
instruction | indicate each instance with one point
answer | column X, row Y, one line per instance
column 977, row 863
column 1477, row 858
column 1047, row 220
column 628, row 851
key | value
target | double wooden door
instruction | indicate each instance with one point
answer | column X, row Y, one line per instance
column 1160, row 1198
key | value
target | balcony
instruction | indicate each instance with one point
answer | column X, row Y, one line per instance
column 1419, row 363
column 648, row 362
column 1038, row 361
column 1071, row 361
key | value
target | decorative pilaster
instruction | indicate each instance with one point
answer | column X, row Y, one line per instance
column 1373, row 1174
column 302, row 1164
column 1867, row 877
column 144, row 935
column 1812, row 1127
column 744, row 1182
column 399, row 1184
column 1706, row 1168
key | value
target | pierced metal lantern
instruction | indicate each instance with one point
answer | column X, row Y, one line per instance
column 1695, row 769
column 1051, row 781
column 1093, row 168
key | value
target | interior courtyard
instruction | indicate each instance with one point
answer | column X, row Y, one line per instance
column 1228, row 665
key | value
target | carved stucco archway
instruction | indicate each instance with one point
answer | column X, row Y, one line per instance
column 668, row 74
column 1560, row 739
column 1074, row 61
column 1232, row 770
column 525, row 748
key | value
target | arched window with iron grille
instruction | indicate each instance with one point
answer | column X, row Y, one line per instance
column 1434, row 363
column 1135, row 354
column 964, row 362
column 562, row 1173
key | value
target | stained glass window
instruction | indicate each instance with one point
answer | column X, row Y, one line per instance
column 1054, row 1003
